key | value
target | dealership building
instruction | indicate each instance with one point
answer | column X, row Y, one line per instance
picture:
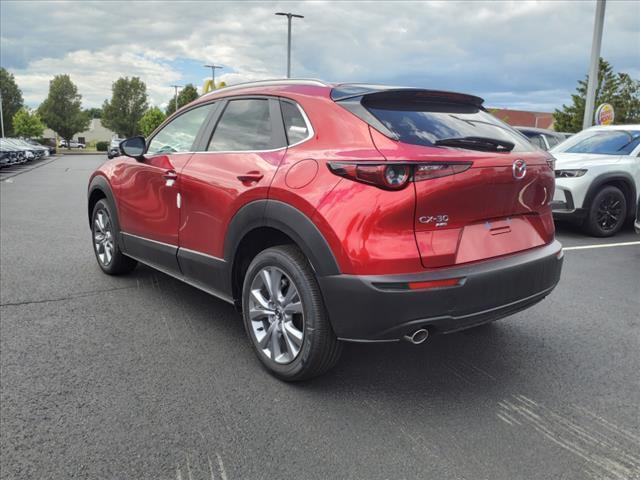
column 95, row 133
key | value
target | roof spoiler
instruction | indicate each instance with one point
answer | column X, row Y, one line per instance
column 348, row 91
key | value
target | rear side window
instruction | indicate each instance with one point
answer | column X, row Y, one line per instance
column 538, row 141
column 179, row 135
column 553, row 141
column 245, row 125
column 422, row 122
column 604, row 142
column 295, row 126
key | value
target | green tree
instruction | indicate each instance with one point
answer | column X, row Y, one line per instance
column 94, row 112
column 150, row 121
column 61, row 111
column 627, row 101
column 187, row 95
column 619, row 90
column 127, row 106
column 11, row 99
column 27, row 124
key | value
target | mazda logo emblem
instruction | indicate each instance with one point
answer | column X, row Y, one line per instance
column 519, row 169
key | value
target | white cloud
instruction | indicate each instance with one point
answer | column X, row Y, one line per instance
column 534, row 51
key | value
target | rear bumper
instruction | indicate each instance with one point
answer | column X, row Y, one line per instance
column 372, row 308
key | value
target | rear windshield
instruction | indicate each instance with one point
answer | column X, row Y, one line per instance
column 425, row 122
column 603, row 142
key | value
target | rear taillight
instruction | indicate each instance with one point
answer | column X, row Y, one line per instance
column 395, row 176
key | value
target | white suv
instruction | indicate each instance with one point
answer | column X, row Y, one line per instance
column 597, row 178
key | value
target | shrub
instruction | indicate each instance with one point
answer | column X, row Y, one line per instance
column 102, row 146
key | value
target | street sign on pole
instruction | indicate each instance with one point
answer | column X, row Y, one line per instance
column 605, row 114
column 587, row 120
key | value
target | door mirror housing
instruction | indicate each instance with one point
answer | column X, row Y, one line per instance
column 134, row 147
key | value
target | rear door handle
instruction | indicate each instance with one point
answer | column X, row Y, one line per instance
column 250, row 177
column 170, row 177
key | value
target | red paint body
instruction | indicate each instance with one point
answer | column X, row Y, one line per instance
column 370, row 230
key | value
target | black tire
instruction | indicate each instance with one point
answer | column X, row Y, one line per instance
column 319, row 349
column 116, row 263
column 607, row 212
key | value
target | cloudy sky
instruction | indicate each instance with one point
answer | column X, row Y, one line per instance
column 517, row 54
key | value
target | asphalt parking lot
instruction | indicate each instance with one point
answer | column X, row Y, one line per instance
column 144, row 377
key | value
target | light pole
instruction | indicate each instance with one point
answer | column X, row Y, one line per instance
column 176, row 97
column 213, row 73
column 587, row 120
column 289, row 16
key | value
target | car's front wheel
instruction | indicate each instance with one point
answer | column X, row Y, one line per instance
column 104, row 234
column 285, row 317
column 607, row 212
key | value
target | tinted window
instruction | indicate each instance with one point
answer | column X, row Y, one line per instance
column 422, row 122
column 537, row 140
column 607, row 142
column 553, row 141
column 294, row 124
column 179, row 135
column 245, row 125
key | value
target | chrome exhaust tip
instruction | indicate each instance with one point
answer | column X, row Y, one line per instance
column 418, row 337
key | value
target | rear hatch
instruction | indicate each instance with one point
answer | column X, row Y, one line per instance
column 495, row 201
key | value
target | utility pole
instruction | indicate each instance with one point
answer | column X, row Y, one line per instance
column 587, row 121
column 289, row 16
column 176, row 97
column 1, row 117
column 213, row 73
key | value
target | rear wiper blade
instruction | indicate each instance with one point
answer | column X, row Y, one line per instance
column 477, row 143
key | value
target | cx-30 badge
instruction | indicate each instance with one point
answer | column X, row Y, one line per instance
column 519, row 169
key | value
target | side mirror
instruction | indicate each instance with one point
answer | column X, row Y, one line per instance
column 134, row 147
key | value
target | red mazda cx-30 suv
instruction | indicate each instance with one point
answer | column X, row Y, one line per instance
column 334, row 212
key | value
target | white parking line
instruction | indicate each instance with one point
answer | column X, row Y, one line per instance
column 602, row 245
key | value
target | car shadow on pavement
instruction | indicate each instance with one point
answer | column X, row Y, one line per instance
column 475, row 361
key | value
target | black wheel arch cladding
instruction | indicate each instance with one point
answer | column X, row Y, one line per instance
column 290, row 221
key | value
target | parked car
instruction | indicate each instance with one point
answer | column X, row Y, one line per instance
column 51, row 149
column 597, row 178
column 566, row 134
column 72, row 144
column 636, row 223
column 114, row 147
column 25, row 154
column 329, row 213
column 540, row 137
column 38, row 150
column 8, row 156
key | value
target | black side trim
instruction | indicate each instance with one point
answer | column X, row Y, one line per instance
column 624, row 177
column 304, row 232
column 287, row 219
column 208, row 272
column 100, row 183
column 156, row 254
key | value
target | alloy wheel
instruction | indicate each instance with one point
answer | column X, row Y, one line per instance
column 609, row 212
column 103, row 237
column 276, row 314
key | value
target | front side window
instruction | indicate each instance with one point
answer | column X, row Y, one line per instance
column 603, row 142
column 294, row 123
column 245, row 125
column 179, row 135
